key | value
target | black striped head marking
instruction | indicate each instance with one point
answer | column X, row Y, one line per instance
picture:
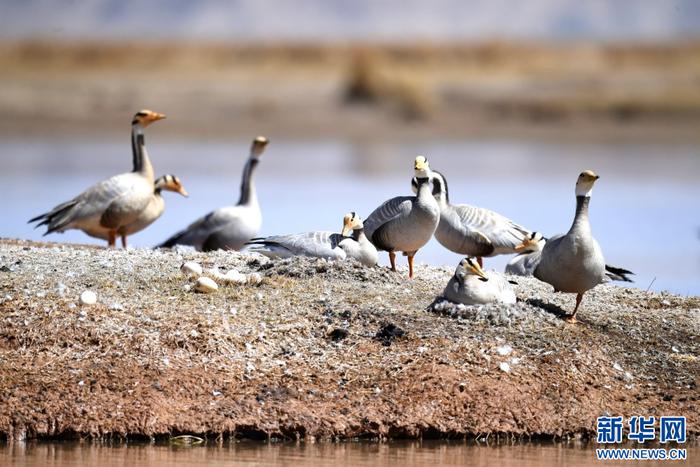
column 473, row 267
column 146, row 117
column 170, row 182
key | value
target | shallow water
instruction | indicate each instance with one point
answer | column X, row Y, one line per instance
column 428, row 453
column 644, row 210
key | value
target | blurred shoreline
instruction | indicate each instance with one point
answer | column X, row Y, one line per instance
column 570, row 91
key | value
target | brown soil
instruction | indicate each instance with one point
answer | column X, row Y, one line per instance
column 322, row 350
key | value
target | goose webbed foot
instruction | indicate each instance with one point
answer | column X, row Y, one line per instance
column 572, row 317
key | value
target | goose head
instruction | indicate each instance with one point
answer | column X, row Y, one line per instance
column 258, row 147
column 421, row 168
column 585, row 182
column 351, row 222
column 469, row 267
column 533, row 242
column 170, row 183
column 145, row 117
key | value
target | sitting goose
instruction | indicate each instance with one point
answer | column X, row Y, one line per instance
column 405, row 223
column 470, row 230
column 114, row 203
column 524, row 264
column 471, row 286
column 228, row 228
column 351, row 243
column 574, row 262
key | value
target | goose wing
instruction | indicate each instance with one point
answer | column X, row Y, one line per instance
column 89, row 206
column 317, row 244
column 198, row 231
column 389, row 210
column 484, row 226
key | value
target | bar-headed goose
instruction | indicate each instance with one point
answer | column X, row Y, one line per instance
column 113, row 203
column 470, row 285
column 526, row 261
column 156, row 206
column 350, row 243
column 574, row 262
column 470, row 230
column 149, row 215
column 230, row 227
column 405, row 223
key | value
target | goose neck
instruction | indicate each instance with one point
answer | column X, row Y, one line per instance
column 142, row 163
column 248, row 193
column 581, row 217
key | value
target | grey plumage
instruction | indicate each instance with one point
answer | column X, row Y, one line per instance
column 405, row 223
column 230, row 227
column 471, row 230
column 574, row 262
column 320, row 244
column 525, row 263
column 108, row 206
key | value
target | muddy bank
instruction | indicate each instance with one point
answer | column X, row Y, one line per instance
column 321, row 350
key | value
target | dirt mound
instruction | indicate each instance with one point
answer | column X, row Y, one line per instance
column 303, row 354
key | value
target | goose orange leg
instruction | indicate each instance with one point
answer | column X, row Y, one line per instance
column 480, row 260
column 572, row 317
column 410, row 264
column 124, row 241
column 392, row 260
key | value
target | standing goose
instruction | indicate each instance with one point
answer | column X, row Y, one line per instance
column 230, row 227
column 471, row 286
column 406, row 223
column 113, row 203
column 526, row 261
column 470, row 230
column 154, row 209
column 350, row 243
column 574, row 262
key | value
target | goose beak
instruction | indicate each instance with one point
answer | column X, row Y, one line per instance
column 525, row 244
column 156, row 116
column 421, row 163
column 183, row 192
column 476, row 269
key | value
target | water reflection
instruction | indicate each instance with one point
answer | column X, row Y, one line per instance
column 318, row 454
column 643, row 212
